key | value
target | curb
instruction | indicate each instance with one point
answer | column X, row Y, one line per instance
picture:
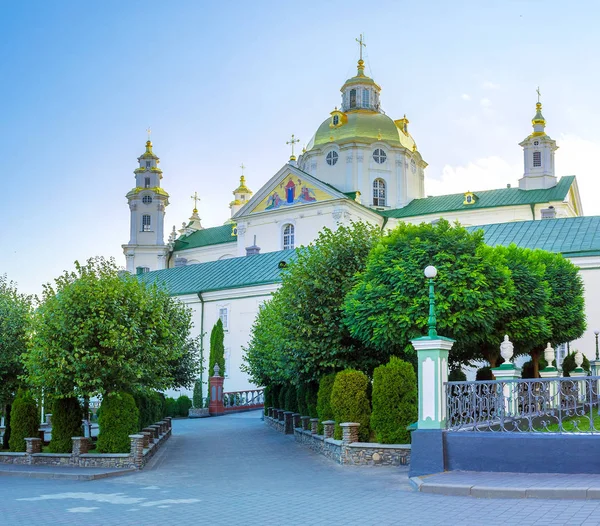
column 66, row 476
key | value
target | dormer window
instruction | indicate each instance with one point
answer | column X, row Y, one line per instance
column 353, row 98
column 537, row 159
column 336, row 120
column 147, row 182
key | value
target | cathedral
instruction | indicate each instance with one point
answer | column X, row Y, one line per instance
column 360, row 165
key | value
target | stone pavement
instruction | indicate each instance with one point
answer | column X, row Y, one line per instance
column 234, row 470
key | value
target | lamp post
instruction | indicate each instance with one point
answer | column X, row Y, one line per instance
column 430, row 274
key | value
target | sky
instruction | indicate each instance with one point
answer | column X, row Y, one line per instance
column 226, row 83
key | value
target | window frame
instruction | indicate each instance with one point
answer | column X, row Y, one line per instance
column 147, row 199
column 537, row 159
column 146, row 182
column 220, row 310
column 379, row 192
column 332, row 157
column 379, row 156
column 288, row 236
column 146, row 225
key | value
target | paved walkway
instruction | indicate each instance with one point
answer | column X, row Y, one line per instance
column 234, row 470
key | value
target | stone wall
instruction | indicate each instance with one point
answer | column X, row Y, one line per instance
column 345, row 451
column 143, row 447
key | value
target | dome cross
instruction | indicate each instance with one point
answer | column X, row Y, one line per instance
column 196, row 199
column 292, row 141
column 361, row 44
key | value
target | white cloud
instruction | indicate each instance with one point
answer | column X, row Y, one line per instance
column 465, row 96
column 488, row 84
column 483, row 174
column 485, row 103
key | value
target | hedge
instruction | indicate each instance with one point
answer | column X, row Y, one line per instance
column 291, row 400
column 301, row 399
column 484, row 374
column 268, row 398
column 311, row 399
column 394, row 401
column 150, row 407
column 119, row 418
column 324, row 411
column 183, row 405
column 24, row 420
column 67, row 415
column 350, row 403
column 281, row 397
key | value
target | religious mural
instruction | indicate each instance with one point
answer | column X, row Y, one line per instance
column 292, row 191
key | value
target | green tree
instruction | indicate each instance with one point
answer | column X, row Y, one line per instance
column 15, row 313
column 197, row 398
column 324, row 411
column 394, row 401
column 299, row 335
column 24, row 420
column 350, row 403
column 217, row 349
column 100, row 331
column 119, row 418
column 66, row 423
column 389, row 305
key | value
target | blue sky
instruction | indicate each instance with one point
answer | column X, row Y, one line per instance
column 222, row 83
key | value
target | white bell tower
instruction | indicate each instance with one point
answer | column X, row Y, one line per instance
column 538, row 155
column 146, row 249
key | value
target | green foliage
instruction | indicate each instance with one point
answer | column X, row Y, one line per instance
column 67, row 415
column 301, row 399
column 15, row 312
column 324, row 410
column 275, row 390
column 119, row 418
column 197, row 398
column 568, row 365
column 268, row 398
column 100, row 331
column 298, row 336
column 389, row 305
column 282, row 396
column 291, row 399
column 394, row 401
column 24, row 420
column 457, row 375
column 150, row 407
column 183, row 405
column 186, row 367
column 217, row 349
column 484, row 374
column 312, row 389
column 170, row 407
column 349, row 402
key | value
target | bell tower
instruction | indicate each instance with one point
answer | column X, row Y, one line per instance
column 147, row 201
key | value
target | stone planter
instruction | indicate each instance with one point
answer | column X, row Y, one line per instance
column 201, row 412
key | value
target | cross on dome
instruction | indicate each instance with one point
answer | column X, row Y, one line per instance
column 292, row 141
column 361, row 44
column 196, row 199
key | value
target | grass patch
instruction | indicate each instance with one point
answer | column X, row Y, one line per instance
column 576, row 424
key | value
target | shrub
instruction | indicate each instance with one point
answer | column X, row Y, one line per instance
column 527, row 369
column 291, row 400
column 281, row 397
column 149, row 404
column 197, row 396
column 66, row 423
column 349, row 402
column 268, row 397
column 275, row 390
column 183, row 405
column 311, row 399
column 24, row 420
column 171, row 406
column 301, row 399
column 324, row 411
column 119, row 418
column 394, row 401
column 485, row 373
column 568, row 364
column 457, row 375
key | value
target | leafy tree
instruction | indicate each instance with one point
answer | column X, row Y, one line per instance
column 100, row 331
column 185, row 368
column 389, row 305
column 119, row 418
column 66, row 423
column 24, row 420
column 217, row 349
column 299, row 335
column 15, row 312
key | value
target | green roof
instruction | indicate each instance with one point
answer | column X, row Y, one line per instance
column 234, row 273
column 484, row 199
column 205, row 237
column 570, row 236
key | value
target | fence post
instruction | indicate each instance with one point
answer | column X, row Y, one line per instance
column 314, row 425
column 506, row 373
column 328, row 428
column 551, row 372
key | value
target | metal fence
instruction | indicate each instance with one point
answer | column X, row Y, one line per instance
column 544, row 405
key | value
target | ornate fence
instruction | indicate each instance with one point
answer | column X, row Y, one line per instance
column 545, row 405
column 243, row 400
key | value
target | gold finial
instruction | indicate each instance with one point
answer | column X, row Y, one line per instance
column 361, row 44
column 292, row 141
column 196, row 199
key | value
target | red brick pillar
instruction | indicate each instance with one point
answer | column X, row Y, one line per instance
column 215, row 386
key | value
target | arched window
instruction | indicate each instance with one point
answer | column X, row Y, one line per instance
column 147, row 200
column 288, row 237
column 332, row 158
column 353, row 98
column 379, row 196
column 537, row 159
column 365, row 101
column 379, row 156
column 146, row 223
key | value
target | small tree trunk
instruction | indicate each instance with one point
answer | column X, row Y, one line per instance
column 491, row 355
column 535, row 357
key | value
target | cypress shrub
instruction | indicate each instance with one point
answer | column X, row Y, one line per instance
column 291, row 399
column 119, row 418
column 457, row 375
column 217, row 349
column 311, row 399
column 155, row 407
column 24, row 420
column 197, row 396
column 67, row 415
column 568, row 364
column 183, row 405
column 281, row 397
column 324, row 411
column 349, row 402
column 484, row 374
column 301, row 399
column 394, row 401
column 171, row 406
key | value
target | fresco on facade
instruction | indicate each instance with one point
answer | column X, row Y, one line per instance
column 292, row 191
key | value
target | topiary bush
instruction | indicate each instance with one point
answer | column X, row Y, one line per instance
column 291, row 399
column 281, row 397
column 457, row 375
column 24, row 420
column 311, row 399
column 119, row 418
column 197, row 398
column 183, row 405
column 67, row 415
column 569, row 366
column 394, row 401
column 484, row 374
column 170, row 407
column 324, row 411
column 350, row 403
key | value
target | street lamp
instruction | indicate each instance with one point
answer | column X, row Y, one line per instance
column 430, row 273
column 596, row 332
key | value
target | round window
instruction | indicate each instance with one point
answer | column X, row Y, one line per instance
column 379, row 156
column 332, row 158
column 147, row 200
column 536, row 143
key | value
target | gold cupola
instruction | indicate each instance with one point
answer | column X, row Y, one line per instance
column 241, row 194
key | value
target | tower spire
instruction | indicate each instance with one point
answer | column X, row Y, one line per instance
column 538, row 121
